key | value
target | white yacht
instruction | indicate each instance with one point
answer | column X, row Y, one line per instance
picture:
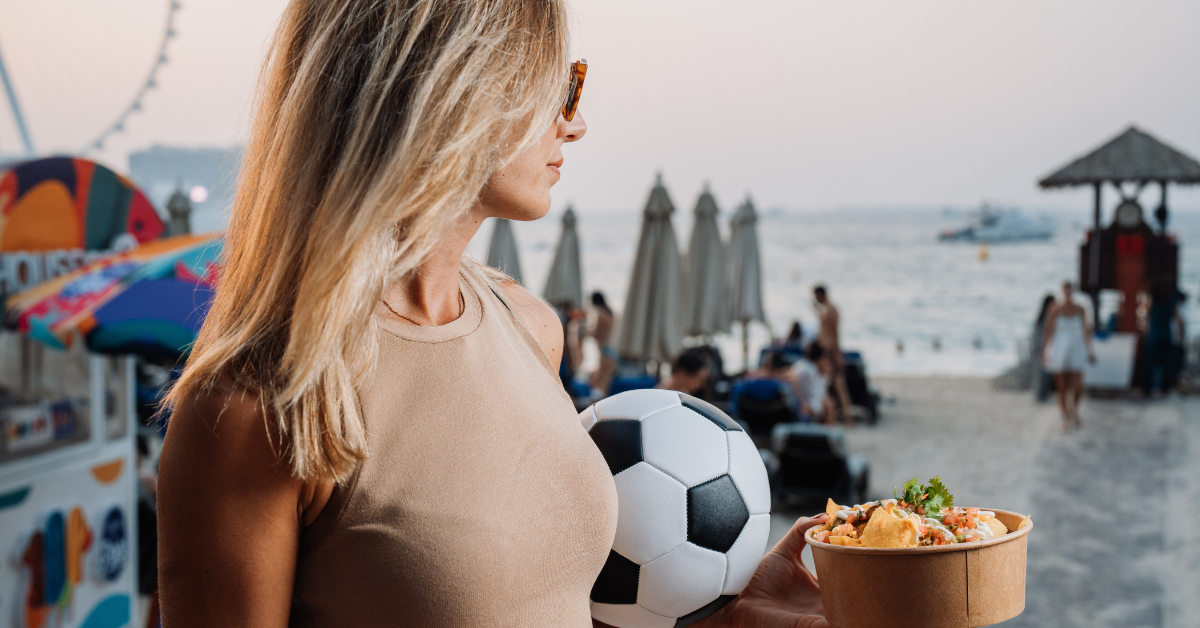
column 993, row 224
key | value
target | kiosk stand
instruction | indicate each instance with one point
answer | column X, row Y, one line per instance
column 68, row 502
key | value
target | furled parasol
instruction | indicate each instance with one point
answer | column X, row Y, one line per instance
column 706, row 275
column 502, row 251
column 651, row 324
column 148, row 301
column 745, row 273
column 564, row 284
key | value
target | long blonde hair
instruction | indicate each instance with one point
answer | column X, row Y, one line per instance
column 378, row 122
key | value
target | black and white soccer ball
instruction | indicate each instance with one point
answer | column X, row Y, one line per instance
column 693, row 508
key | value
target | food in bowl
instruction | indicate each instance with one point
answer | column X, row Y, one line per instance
column 918, row 516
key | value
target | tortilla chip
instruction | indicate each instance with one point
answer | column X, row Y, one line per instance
column 998, row 529
column 832, row 508
column 845, row 540
column 885, row 530
column 1025, row 522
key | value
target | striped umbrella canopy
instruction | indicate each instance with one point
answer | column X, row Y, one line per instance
column 651, row 326
column 564, row 285
column 148, row 301
column 502, row 251
column 745, row 273
column 706, row 310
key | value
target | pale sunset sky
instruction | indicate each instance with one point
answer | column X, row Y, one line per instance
column 807, row 104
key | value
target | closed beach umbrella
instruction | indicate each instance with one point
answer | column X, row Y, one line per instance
column 745, row 273
column 706, row 310
column 502, row 252
column 564, row 285
column 651, row 325
column 148, row 301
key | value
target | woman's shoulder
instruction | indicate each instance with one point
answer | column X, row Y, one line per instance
column 539, row 318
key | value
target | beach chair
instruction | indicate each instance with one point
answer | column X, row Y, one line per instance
column 762, row 404
column 814, row 465
column 859, row 388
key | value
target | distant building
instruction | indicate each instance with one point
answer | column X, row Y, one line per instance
column 207, row 175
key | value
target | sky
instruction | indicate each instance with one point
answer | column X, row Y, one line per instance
column 802, row 104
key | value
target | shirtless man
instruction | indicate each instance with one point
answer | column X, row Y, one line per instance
column 602, row 330
column 827, row 338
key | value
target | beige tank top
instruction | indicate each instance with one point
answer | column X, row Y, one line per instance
column 483, row 501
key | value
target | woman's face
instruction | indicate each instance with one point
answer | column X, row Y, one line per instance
column 521, row 189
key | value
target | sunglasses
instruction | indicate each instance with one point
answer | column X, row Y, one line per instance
column 578, row 72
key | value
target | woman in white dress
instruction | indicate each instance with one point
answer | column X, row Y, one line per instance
column 1067, row 343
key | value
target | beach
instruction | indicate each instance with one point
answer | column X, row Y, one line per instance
column 1115, row 504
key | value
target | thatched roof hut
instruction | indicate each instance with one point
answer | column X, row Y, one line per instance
column 1131, row 156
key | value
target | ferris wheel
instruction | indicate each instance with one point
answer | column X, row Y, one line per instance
column 74, row 72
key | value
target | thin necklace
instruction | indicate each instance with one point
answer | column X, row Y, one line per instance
column 462, row 307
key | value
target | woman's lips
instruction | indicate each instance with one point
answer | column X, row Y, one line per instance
column 555, row 167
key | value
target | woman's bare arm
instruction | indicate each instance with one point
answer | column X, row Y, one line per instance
column 229, row 517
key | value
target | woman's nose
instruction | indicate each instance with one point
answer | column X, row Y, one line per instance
column 574, row 129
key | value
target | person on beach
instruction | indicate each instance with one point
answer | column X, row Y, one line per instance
column 689, row 374
column 1068, row 348
column 370, row 430
column 1040, row 378
column 812, row 375
column 1163, row 325
column 601, row 332
column 828, row 337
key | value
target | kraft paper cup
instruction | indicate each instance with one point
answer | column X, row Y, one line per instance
column 964, row 585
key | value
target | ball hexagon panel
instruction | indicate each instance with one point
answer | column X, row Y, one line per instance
column 636, row 407
column 710, row 412
column 716, row 514
column 651, row 513
column 630, row 615
column 685, row 446
column 746, row 553
column 617, row 582
column 681, row 581
column 620, row 441
column 748, row 473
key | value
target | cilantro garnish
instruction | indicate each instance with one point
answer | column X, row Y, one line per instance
column 933, row 497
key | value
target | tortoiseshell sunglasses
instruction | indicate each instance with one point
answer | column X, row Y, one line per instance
column 578, row 73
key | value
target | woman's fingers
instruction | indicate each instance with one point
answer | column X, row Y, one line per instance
column 793, row 542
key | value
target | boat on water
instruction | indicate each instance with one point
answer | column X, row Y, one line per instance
column 994, row 224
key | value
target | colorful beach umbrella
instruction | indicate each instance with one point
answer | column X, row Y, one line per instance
column 502, row 250
column 148, row 301
column 71, row 203
column 651, row 323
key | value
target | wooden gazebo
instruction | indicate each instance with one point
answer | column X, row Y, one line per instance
column 1129, row 254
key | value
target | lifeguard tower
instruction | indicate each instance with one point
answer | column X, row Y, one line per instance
column 1128, row 255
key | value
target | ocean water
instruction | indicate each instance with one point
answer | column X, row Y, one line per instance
column 885, row 270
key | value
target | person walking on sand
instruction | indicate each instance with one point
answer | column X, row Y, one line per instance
column 828, row 338
column 370, row 430
column 1068, row 348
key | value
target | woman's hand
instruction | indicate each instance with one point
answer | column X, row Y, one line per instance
column 782, row 594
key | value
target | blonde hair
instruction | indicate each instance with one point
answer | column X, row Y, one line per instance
column 378, row 123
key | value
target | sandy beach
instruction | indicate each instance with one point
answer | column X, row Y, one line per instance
column 1102, row 552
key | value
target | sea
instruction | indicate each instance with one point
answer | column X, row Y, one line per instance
column 910, row 304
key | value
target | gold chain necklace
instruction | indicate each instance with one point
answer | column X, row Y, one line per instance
column 462, row 307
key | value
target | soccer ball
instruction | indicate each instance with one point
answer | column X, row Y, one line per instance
column 693, row 508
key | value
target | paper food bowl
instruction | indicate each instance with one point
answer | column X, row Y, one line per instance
column 964, row 585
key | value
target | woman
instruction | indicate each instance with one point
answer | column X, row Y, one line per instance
column 370, row 431
column 1068, row 348
column 1040, row 378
